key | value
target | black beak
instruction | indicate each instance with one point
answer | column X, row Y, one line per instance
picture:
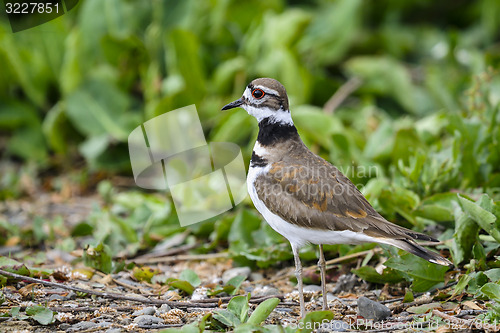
column 233, row 105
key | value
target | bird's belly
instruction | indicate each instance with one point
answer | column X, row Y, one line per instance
column 297, row 235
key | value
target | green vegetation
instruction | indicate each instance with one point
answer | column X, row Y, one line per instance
column 419, row 132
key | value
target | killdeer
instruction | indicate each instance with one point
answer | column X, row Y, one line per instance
column 305, row 198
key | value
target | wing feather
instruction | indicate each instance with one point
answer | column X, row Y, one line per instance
column 313, row 193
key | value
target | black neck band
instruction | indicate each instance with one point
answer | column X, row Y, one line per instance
column 273, row 132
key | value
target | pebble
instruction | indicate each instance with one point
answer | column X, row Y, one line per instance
column 82, row 326
column 150, row 310
column 256, row 276
column 164, row 308
column 346, row 283
column 114, row 330
column 199, row 293
column 265, row 291
column 369, row 309
column 104, row 324
column 71, row 295
column 64, row 326
column 312, row 288
column 231, row 273
column 56, row 297
column 147, row 320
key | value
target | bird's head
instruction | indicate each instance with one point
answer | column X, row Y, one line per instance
column 264, row 98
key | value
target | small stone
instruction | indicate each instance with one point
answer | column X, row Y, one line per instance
column 256, row 276
column 114, row 330
column 265, row 291
column 71, row 295
column 82, row 326
column 199, row 293
column 164, row 308
column 64, row 326
column 346, row 283
column 56, row 297
column 147, row 320
column 369, row 309
column 150, row 310
column 231, row 273
column 248, row 289
column 312, row 288
column 104, row 324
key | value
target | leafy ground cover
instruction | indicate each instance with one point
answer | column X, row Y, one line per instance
column 402, row 96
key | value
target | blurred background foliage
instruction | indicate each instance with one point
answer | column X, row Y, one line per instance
column 420, row 124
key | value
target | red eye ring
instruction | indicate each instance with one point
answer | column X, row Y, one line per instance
column 258, row 93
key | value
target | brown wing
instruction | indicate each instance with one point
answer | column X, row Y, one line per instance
column 312, row 193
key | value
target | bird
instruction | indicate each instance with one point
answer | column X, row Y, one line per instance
column 305, row 198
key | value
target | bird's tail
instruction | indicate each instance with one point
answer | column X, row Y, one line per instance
column 412, row 247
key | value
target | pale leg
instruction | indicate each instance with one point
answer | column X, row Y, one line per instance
column 298, row 274
column 322, row 269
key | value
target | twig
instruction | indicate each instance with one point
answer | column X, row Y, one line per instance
column 397, row 308
column 341, row 94
column 200, row 304
column 107, row 295
column 83, row 308
column 181, row 257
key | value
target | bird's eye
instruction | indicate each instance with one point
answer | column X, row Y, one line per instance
column 258, row 93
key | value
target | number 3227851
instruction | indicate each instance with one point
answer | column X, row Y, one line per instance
column 31, row 8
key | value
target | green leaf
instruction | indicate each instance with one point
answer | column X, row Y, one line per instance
column 238, row 305
column 13, row 266
column 182, row 285
column 327, row 43
column 191, row 277
column 477, row 281
column 236, row 283
column 41, row 314
column 482, row 217
column 368, row 273
column 385, row 76
column 250, row 328
column 491, row 291
column 493, row 274
column 98, row 108
column 99, row 257
column 263, row 311
column 227, row 318
column 424, row 274
column 56, row 129
column 144, row 273
column 463, row 281
column 183, row 58
column 466, row 235
column 424, row 308
column 408, row 298
column 189, row 328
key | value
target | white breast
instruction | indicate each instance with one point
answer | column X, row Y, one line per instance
column 299, row 236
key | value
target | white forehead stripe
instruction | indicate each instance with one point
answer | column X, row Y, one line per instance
column 267, row 90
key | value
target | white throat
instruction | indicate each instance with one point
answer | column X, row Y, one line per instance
column 275, row 116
